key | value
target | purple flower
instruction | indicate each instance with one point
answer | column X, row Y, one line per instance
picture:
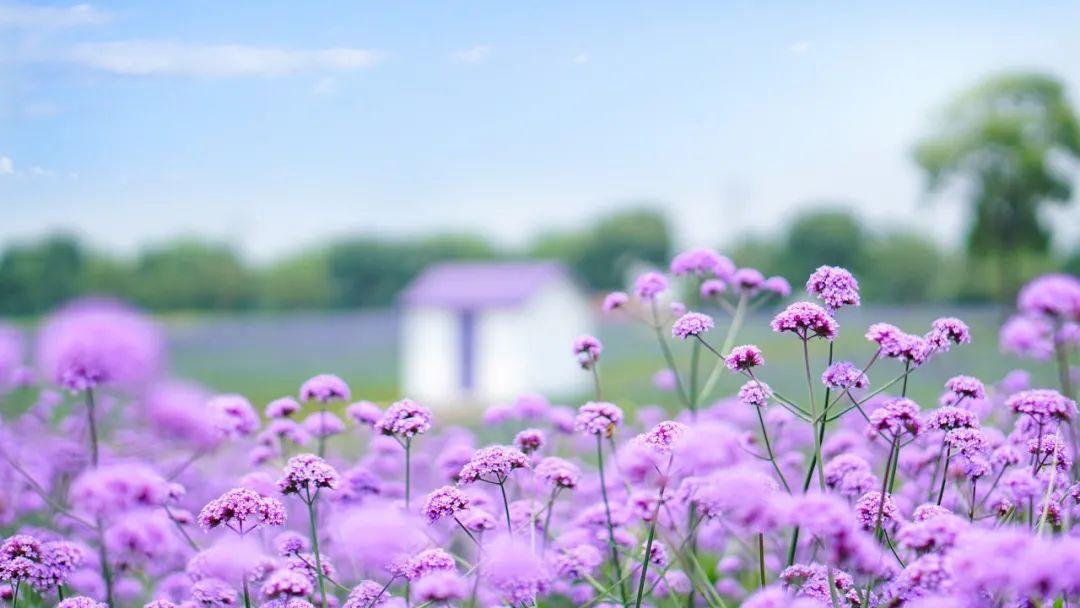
column 896, row 417
column 850, row 475
column 529, row 440
column 286, row 583
column 755, row 393
column 443, row 586
column 946, row 331
column 967, row 441
column 492, row 464
column 1027, row 336
column 282, row 408
column 117, row 488
column 806, row 320
column 213, row 592
column 615, row 300
column 966, row 387
column 650, row 285
column 97, row 342
column 711, row 288
column 743, row 358
column 742, row 496
column 427, row 562
column 868, row 506
column 446, row 501
column 290, row 543
column 844, row 375
column 587, row 349
column 558, row 472
column 950, row 417
column 778, row 286
column 368, row 594
column 691, row 324
column 664, row 380
column 835, row 286
column 1043, row 405
column 404, row 418
column 748, row 280
column 514, row 571
column 598, row 418
column 364, row 412
column 306, row 474
column 663, row 436
column 324, row 424
column 1054, row 295
column 233, row 415
column 702, row 263
column 81, row 601
column 577, row 562
column 241, row 506
column 325, row 388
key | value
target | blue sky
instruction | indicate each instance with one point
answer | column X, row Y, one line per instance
column 278, row 125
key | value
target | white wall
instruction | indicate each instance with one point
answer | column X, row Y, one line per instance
column 429, row 354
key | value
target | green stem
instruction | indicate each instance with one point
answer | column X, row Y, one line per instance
column 768, row 450
column 506, row 506
column 315, row 546
column 92, row 423
column 761, row 558
column 729, row 341
column 607, row 514
column 408, row 470
column 247, row 596
column 944, row 475
column 648, row 551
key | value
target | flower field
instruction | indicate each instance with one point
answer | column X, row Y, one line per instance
column 744, row 444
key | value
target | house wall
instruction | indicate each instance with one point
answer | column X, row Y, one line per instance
column 429, row 354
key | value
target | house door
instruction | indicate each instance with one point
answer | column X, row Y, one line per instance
column 467, row 324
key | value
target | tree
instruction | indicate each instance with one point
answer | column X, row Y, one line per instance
column 192, row 275
column 830, row 236
column 1004, row 142
column 39, row 276
column 896, row 268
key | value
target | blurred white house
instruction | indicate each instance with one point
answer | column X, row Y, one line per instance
column 488, row 331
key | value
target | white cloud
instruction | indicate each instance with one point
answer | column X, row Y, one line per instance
column 799, row 47
column 580, row 58
column 325, row 86
column 46, row 17
column 7, row 166
column 476, row 54
column 151, row 58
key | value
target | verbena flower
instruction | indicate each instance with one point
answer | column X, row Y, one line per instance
column 529, row 440
column 748, row 280
column 711, row 288
column 558, row 472
column 835, row 286
column 287, row 583
column 966, row 387
column 242, row 510
column 446, row 501
column 650, row 285
column 443, row 586
column 947, row 331
column 663, row 436
column 513, row 571
column 404, row 418
column 81, row 601
column 492, row 464
column 598, row 418
column 114, row 489
column 1043, row 405
column 896, row 416
column 233, row 416
column 755, row 393
column 282, row 408
column 806, row 320
column 615, row 300
column 702, row 263
column 691, row 324
column 325, row 388
column 306, row 474
column 949, row 417
column 745, row 357
column 1054, row 295
column 778, row 286
column 844, row 375
column 870, row 504
column 587, row 349
column 367, row 594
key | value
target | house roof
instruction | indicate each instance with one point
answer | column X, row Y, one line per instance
column 481, row 284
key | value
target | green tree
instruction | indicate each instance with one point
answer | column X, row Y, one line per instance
column 602, row 254
column 38, row 276
column 192, row 275
column 301, row 281
column 1003, row 142
column 900, row 267
column 823, row 236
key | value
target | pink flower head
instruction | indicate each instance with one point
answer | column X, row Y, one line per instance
column 114, row 489
column 691, row 324
column 946, row 331
column 233, row 415
column 598, row 418
column 558, row 472
column 748, row 280
column 368, row 594
column 1043, row 405
column 404, row 418
column 806, row 320
column 870, row 504
column 664, row 380
column 896, row 416
column 81, row 601
column 755, row 393
column 835, row 286
column 492, row 464
column 325, row 388
column 966, row 387
column 446, row 501
column 710, row 288
column 529, row 440
column 587, row 349
column 242, row 510
column 663, row 436
column 286, row 583
column 699, row 262
column 324, row 424
column 1054, row 295
column 650, row 285
column 426, row 562
column 282, row 408
column 306, row 474
column 99, row 342
column 745, row 357
column 615, row 300
column 778, row 286
column 364, row 412
column 950, row 417
column 441, row 587
column 844, row 375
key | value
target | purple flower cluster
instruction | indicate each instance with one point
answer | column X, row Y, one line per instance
column 806, row 320
column 404, row 418
column 492, row 464
column 598, row 418
column 587, row 349
column 844, row 375
column 835, row 286
column 242, row 510
column 691, row 324
column 743, row 358
column 307, row 474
